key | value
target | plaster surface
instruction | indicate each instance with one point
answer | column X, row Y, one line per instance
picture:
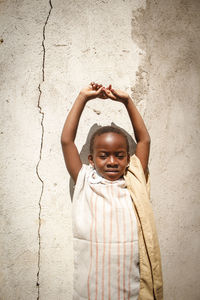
column 49, row 51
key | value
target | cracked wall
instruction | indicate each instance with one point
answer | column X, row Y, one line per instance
column 41, row 146
column 48, row 53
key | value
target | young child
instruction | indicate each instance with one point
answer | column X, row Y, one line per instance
column 116, row 251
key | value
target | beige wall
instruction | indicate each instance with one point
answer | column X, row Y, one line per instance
column 150, row 49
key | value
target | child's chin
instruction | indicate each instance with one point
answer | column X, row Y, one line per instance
column 112, row 176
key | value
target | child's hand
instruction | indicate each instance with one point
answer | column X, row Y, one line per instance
column 93, row 91
column 116, row 95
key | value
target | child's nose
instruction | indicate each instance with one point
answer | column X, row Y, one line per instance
column 111, row 161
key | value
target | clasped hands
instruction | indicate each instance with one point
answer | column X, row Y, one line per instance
column 95, row 90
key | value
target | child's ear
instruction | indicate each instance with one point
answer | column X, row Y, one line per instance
column 128, row 158
column 90, row 159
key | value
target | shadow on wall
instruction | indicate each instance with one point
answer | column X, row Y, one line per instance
column 86, row 149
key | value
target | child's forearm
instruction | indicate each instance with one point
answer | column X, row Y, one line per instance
column 71, row 155
column 140, row 130
column 72, row 121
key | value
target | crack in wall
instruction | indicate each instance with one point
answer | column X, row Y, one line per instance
column 41, row 146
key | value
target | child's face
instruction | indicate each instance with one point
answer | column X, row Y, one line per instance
column 110, row 157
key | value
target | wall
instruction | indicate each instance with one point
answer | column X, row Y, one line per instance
column 49, row 51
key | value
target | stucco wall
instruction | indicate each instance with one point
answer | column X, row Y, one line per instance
column 49, row 51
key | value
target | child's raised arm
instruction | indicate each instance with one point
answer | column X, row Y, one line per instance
column 70, row 151
column 141, row 134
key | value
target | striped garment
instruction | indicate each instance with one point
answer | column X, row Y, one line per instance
column 105, row 239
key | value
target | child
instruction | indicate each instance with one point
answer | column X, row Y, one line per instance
column 115, row 243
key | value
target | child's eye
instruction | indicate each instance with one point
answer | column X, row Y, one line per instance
column 120, row 156
column 102, row 156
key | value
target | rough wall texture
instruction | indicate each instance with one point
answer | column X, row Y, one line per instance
column 49, row 50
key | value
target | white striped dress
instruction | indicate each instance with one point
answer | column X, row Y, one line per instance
column 105, row 240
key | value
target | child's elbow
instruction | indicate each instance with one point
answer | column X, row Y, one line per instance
column 146, row 139
column 63, row 140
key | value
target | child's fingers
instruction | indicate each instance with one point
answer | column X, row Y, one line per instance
column 114, row 92
column 95, row 86
column 109, row 94
column 100, row 90
column 103, row 97
column 90, row 84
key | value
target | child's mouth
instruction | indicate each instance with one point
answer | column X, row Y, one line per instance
column 112, row 171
